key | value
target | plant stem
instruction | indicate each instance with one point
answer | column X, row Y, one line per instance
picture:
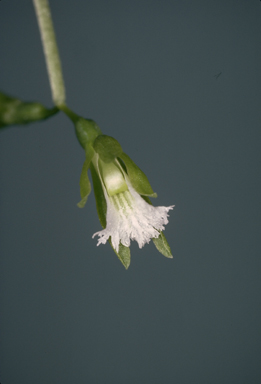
column 51, row 52
column 69, row 113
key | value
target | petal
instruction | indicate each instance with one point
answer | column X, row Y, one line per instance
column 130, row 217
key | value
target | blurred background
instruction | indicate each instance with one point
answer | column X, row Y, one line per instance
column 178, row 84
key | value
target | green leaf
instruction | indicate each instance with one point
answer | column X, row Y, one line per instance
column 123, row 254
column 101, row 204
column 107, row 148
column 162, row 245
column 14, row 111
column 138, row 178
column 86, row 131
column 85, row 185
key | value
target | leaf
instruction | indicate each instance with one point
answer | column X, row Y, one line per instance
column 162, row 245
column 107, row 148
column 85, row 185
column 14, row 111
column 123, row 254
column 138, row 178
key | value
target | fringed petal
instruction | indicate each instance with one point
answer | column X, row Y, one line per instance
column 130, row 217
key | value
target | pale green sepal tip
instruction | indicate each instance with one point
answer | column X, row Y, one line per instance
column 82, row 203
column 138, row 179
column 162, row 245
column 124, row 254
column 107, row 148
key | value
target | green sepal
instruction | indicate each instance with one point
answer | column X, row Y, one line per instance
column 124, row 254
column 86, row 131
column 161, row 242
column 101, row 204
column 14, row 111
column 138, row 179
column 162, row 245
column 107, row 148
column 85, row 185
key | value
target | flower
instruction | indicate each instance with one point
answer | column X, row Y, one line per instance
column 129, row 216
column 122, row 194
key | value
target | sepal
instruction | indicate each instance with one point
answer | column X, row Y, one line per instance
column 162, row 245
column 86, row 131
column 101, row 204
column 14, row 111
column 137, row 178
column 124, row 254
column 85, row 185
column 107, row 148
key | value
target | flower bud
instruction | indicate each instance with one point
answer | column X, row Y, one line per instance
column 14, row 111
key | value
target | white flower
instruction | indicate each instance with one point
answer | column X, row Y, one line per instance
column 129, row 216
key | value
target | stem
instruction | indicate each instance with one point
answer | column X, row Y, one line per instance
column 69, row 113
column 51, row 52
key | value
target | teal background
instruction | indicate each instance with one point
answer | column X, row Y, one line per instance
column 145, row 72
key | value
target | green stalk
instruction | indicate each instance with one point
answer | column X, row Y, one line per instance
column 51, row 52
column 69, row 113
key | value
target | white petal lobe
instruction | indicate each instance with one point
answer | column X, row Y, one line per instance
column 130, row 217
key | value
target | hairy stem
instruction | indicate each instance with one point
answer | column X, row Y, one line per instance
column 51, row 52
